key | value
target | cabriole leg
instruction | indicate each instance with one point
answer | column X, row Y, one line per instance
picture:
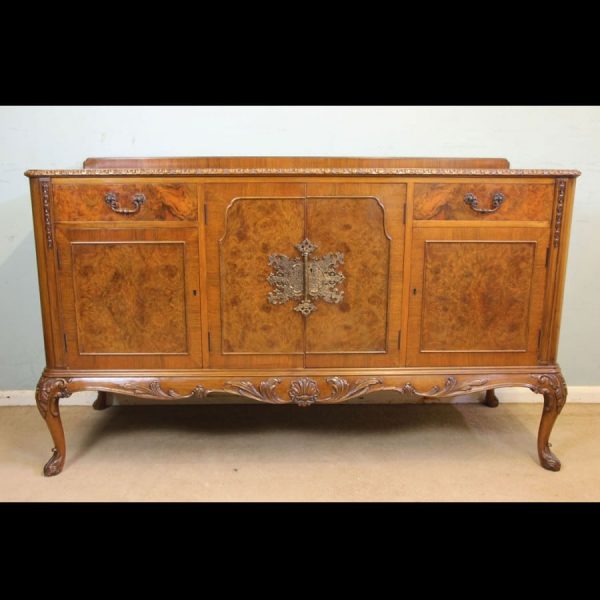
column 47, row 394
column 555, row 395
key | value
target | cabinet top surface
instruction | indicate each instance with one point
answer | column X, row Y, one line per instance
column 297, row 166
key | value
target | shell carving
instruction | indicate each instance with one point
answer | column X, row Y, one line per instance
column 304, row 392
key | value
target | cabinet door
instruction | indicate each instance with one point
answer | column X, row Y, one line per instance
column 476, row 296
column 246, row 224
column 130, row 298
column 364, row 223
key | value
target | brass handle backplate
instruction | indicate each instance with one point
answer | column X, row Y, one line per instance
column 303, row 279
column 497, row 200
column 111, row 199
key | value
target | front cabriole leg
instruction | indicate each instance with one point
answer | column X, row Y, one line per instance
column 554, row 389
column 47, row 394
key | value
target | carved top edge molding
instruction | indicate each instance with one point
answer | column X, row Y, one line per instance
column 304, row 171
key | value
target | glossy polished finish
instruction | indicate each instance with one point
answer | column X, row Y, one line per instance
column 75, row 200
column 294, row 162
column 176, row 278
column 477, row 296
column 525, row 201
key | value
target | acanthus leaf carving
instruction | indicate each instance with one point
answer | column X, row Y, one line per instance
column 451, row 388
column 47, row 393
column 303, row 391
column 342, row 390
column 153, row 389
column 554, row 389
column 266, row 392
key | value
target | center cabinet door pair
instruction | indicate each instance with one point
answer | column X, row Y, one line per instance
column 248, row 225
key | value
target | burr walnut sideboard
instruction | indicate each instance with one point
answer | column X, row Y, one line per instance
column 300, row 280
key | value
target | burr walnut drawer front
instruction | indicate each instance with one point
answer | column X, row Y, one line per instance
column 125, row 201
column 483, row 201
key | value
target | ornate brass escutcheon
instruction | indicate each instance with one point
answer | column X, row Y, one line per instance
column 304, row 279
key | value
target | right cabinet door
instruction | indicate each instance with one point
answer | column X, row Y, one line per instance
column 363, row 224
column 476, row 295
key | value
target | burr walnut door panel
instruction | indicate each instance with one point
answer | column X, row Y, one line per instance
column 476, row 296
column 246, row 224
column 130, row 298
column 363, row 224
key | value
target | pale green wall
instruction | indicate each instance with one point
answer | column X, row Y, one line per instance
column 61, row 137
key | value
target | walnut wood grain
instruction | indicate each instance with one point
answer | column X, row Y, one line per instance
column 277, row 162
column 130, row 297
column 557, row 262
column 445, row 201
column 83, row 201
column 46, row 277
column 246, row 224
column 365, row 223
column 477, row 296
column 255, row 229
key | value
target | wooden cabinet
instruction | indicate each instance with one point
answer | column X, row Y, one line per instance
column 300, row 281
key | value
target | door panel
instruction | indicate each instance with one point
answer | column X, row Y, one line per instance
column 246, row 224
column 130, row 297
column 476, row 296
column 364, row 223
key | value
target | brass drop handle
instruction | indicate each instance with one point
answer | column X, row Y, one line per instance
column 497, row 200
column 111, row 199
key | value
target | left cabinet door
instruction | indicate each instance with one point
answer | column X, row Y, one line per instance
column 130, row 297
column 249, row 225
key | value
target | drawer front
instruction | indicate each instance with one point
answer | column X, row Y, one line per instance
column 478, row 201
column 131, row 201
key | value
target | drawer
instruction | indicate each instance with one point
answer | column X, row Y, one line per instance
column 131, row 201
column 483, row 201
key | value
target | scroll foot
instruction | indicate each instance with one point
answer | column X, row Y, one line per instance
column 549, row 460
column 47, row 394
column 554, row 389
column 55, row 465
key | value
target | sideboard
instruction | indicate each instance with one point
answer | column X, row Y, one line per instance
column 300, row 280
